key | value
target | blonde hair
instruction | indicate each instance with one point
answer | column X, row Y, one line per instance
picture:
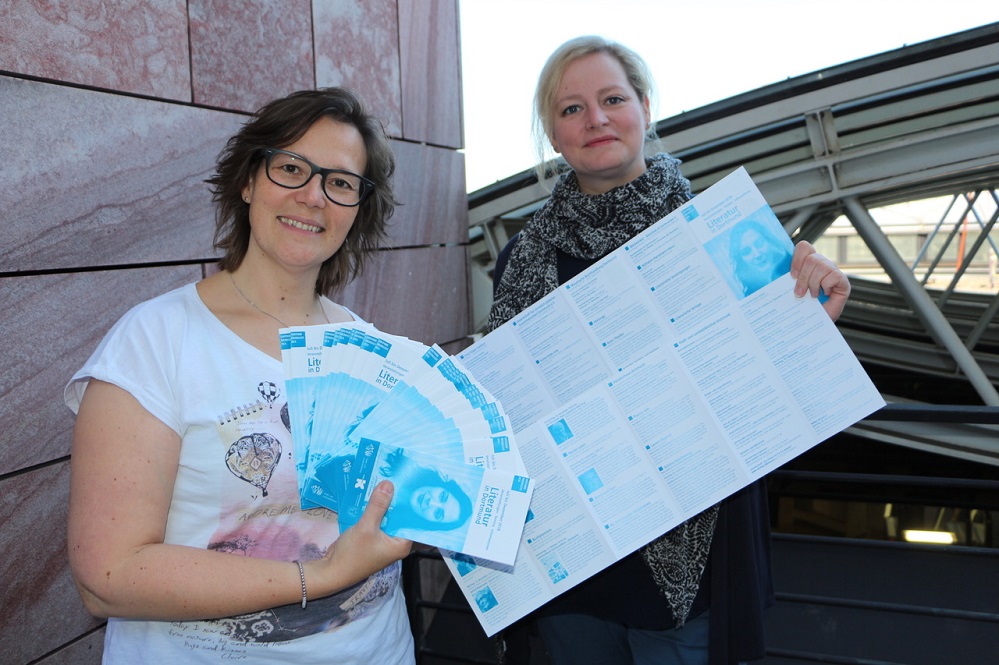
column 635, row 69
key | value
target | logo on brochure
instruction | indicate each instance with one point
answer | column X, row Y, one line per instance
column 690, row 213
column 501, row 444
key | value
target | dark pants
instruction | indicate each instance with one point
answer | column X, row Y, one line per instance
column 578, row 639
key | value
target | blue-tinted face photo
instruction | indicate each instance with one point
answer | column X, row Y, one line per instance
column 435, row 504
column 758, row 254
column 426, row 498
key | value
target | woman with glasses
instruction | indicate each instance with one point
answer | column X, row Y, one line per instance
column 185, row 525
column 696, row 595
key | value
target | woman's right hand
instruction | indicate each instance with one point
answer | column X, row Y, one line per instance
column 361, row 550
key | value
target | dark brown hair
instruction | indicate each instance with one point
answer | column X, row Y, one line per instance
column 278, row 124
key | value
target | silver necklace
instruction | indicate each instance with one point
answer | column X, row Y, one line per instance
column 254, row 305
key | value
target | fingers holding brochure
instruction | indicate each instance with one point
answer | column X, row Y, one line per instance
column 361, row 549
column 817, row 275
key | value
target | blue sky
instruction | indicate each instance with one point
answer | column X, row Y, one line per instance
column 699, row 52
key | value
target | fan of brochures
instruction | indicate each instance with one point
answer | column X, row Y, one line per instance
column 364, row 406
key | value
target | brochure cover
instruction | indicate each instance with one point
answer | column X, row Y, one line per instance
column 457, row 506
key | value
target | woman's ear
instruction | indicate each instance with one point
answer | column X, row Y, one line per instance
column 248, row 191
column 648, row 112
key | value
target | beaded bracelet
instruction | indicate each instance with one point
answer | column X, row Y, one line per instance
column 301, row 575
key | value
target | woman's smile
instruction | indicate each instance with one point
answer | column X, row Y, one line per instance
column 302, row 226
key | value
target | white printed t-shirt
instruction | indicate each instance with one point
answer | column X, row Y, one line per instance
column 237, row 492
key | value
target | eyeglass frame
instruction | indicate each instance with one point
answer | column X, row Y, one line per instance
column 367, row 186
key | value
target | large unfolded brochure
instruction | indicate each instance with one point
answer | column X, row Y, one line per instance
column 670, row 374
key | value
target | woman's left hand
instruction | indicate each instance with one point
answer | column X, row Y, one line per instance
column 813, row 271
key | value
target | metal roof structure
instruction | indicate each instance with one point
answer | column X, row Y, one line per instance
column 918, row 122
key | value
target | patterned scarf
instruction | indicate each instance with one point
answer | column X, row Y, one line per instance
column 590, row 227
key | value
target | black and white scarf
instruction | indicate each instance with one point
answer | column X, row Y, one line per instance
column 590, row 227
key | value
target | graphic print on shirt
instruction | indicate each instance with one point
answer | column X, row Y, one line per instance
column 321, row 615
column 260, row 515
column 269, row 391
column 253, row 456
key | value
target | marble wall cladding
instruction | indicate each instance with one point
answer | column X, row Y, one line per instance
column 244, row 54
column 430, row 184
column 420, row 293
column 431, row 72
column 40, row 607
column 51, row 325
column 112, row 114
column 86, row 650
column 137, row 47
column 105, row 179
column 357, row 47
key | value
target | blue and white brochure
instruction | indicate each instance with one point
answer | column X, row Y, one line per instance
column 460, row 507
column 671, row 373
column 354, row 390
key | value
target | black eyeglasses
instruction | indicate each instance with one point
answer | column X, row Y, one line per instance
column 294, row 171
